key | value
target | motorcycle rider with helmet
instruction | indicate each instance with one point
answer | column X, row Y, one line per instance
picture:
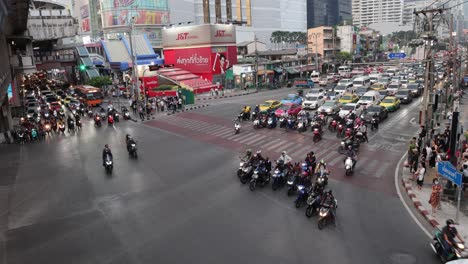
column 311, row 161
column 248, row 156
column 328, row 201
column 246, row 112
column 352, row 154
column 106, row 151
column 449, row 233
column 322, row 166
column 129, row 140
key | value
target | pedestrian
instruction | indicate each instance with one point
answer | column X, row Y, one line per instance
column 414, row 161
column 411, row 148
column 153, row 107
column 434, row 200
column 180, row 103
column 419, row 175
column 141, row 112
column 162, row 105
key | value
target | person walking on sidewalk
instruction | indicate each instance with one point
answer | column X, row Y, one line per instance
column 434, row 200
column 419, row 174
column 414, row 161
column 141, row 112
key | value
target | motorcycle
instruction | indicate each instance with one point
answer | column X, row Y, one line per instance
column 447, row 254
column 71, row 125
column 301, row 125
column 132, row 150
column 34, row 134
column 290, row 125
column 97, row 121
column 317, row 135
column 62, row 114
column 264, row 121
column 116, row 116
column 360, row 137
column 348, row 132
column 245, row 172
column 237, row 127
column 349, row 166
column 324, row 217
column 332, row 125
column 256, row 123
column 374, row 124
column 261, row 176
column 62, row 128
column 108, row 164
column 313, row 203
column 339, row 131
column 46, row 115
column 292, row 183
column 302, row 194
column 279, row 176
column 78, row 124
column 21, row 137
column 271, row 123
column 47, row 129
column 346, row 143
column 254, row 115
column 110, row 120
column 90, row 113
column 282, row 122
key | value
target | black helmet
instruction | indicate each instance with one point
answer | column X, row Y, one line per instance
column 249, row 151
column 450, row 222
column 330, row 192
column 106, row 146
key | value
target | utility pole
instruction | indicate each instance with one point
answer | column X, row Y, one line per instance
column 256, row 64
column 135, row 89
column 451, row 63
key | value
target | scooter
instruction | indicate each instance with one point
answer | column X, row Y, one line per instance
column 317, row 135
column 339, row 131
column 256, row 123
column 108, row 164
column 260, row 176
column 110, row 120
column 270, row 123
column 444, row 253
column 237, row 127
column 313, row 203
column 62, row 128
column 301, row 125
column 349, row 166
column 97, row 121
column 302, row 195
column 282, row 122
column 332, row 126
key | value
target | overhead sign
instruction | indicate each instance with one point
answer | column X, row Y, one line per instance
column 187, row 36
column 447, row 170
column 396, row 56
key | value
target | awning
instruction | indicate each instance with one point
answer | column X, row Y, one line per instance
column 279, row 70
column 263, row 72
column 292, row 71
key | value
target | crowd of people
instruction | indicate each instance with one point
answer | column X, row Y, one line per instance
column 156, row 105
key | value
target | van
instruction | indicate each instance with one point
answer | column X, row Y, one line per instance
column 363, row 81
column 375, row 77
column 369, row 98
column 344, row 70
column 315, row 77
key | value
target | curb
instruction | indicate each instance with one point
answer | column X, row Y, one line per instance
column 188, row 109
column 226, row 96
column 408, row 186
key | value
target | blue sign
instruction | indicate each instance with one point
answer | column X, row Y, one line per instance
column 396, row 56
column 447, row 170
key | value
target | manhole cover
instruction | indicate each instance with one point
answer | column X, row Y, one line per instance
column 401, row 258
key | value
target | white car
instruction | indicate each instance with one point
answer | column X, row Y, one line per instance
column 316, row 92
column 393, row 88
column 347, row 108
column 345, row 82
column 312, row 101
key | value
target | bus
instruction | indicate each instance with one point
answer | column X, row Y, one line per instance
column 89, row 95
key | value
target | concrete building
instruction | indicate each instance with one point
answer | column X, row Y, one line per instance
column 328, row 12
column 322, row 43
column 366, row 12
column 409, row 6
column 51, row 20
column 259, row 18
column 347, row 36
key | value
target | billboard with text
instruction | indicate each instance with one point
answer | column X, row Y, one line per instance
column 145, row 12
column 199, row 35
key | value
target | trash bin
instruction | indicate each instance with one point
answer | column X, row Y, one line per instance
column 187, row 96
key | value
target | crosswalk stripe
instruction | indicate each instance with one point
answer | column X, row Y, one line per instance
column 274, row 141
column 222, row 132
column 226, row 134
column 261, row 143
column 301, row 151
column 286, row 146
column 295, row 148
column 235, row 136
column 275, row 146
column 320, row 152
column 370, row 167
column 198, row 126
column 336, row 160
column 214, row 130
column 383, row 166
column 244, row 136
column 329, row 155
column 251, row 141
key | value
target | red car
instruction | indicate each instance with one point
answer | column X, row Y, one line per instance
column 55, row 106
column 290, row 109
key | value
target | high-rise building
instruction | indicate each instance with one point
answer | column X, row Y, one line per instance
column 327, row 13
column 259, row 18
column 366, row 12
column 409, row 6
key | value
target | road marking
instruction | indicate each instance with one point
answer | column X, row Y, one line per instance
column 361, row 162
column 274, row 141
column 295, row 148
column 275, row 146
column 369, row 169
column 255, row 140
column 235, row 136
column 403, row 201
column 383, row 167
column 302, row 150
column 244, row 136
column 328, row 155
column 254, row 137
column 261, row 142
column 222, row 132
column 286, row 146
column 214, row 129
column 335, row 160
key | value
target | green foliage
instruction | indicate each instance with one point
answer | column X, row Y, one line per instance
column 100, row 81
column 403, row 38
column 344, row 56
column 278, row 37
column 165, row 87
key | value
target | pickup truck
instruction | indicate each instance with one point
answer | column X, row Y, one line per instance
column 303, row 83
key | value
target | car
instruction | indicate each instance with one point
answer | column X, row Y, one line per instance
column 404, row 83
column 330, row 87
column 383, row 94
column 378, row 86
column 303, row 83
column 51, row 99
column 34, row 105
column 31, row 98
column 345, row 82
column 360, row 91
column 391, row 103
column 316, row 92
column 289, row 109
column 415, row 88
column 46, row 92
column 348, row 98
column 347, row 108
column 31, row 112
column 55, row 106
column 270, row 105
column 332, row 95
column 330, row 107
column 385, row 81
column 74, row 103
column 341, row 89
column 313, row 102
column 404, row 95
column 372, row 110
column 393, row 88
column 323, row 81
column 292, row 98
column 333, row 77
column 60, row 93
column 67, row 100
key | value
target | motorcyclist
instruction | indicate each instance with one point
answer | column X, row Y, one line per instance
column 328, row 201
column 70, row 122
column 352, row 154
column 246, row 112
column 257, row 109
column 450, row 232
column 376, row 117
column 106, row 151
column 321, row 168
column 257, row 157
column 311, row 161
column 363, row 130
column 248, row 156
column 129, row 140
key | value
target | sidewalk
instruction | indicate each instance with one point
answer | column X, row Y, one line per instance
column 421, row 197
column 225, row 94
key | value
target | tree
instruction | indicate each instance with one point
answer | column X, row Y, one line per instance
column 100, row 81
column 344, row 56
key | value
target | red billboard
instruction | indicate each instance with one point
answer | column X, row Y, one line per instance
column 85, row 27
column 150, row 82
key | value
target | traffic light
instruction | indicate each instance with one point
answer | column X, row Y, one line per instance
column 82, row 67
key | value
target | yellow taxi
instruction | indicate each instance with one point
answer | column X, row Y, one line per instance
column 348, row 98
column 391, row 103
column 270, row 105
column 378, row 87
column 67, row 100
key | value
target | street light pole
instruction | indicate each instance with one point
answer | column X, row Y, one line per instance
column 135, row 88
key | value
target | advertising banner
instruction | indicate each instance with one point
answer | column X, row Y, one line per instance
column 85, row 27
column 199, row 35
column 145, row 12
column 150, row 82
column 84, row 11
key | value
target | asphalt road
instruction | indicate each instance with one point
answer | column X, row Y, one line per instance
column 180, row 201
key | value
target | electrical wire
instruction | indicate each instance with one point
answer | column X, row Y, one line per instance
column 443, row 4
column 427, row 7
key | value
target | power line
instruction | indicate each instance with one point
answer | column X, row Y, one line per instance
column 427, row 7
column 444, row 3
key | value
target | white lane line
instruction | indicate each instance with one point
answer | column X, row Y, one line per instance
column 275, row 146
column 254, row 140
column 214, row 129
column 370, row 167
column 403, row 201
column 383, row 166
column 245, row 136
column 285, row 146
column 262, row 142
column 222, row 131
column 274, row 141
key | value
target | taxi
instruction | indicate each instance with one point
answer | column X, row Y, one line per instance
column 270, row 105
column 348, row 98
column 378, row 86
column 391, row 103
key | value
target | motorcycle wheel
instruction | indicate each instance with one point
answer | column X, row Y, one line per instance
column 252, row 186
column 274, row 186
column 290, row 191
column 243, row 179
column 321, row 223
column 309, row 211
column 297, row 203
column 341, row 150
column 348, row 172
column 239, row 173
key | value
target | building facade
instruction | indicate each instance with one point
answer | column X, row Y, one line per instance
column 409, row 6
column 366, row 12
column 347, row 36
column 322, row 43
column 257, row 18
column 327, row 13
